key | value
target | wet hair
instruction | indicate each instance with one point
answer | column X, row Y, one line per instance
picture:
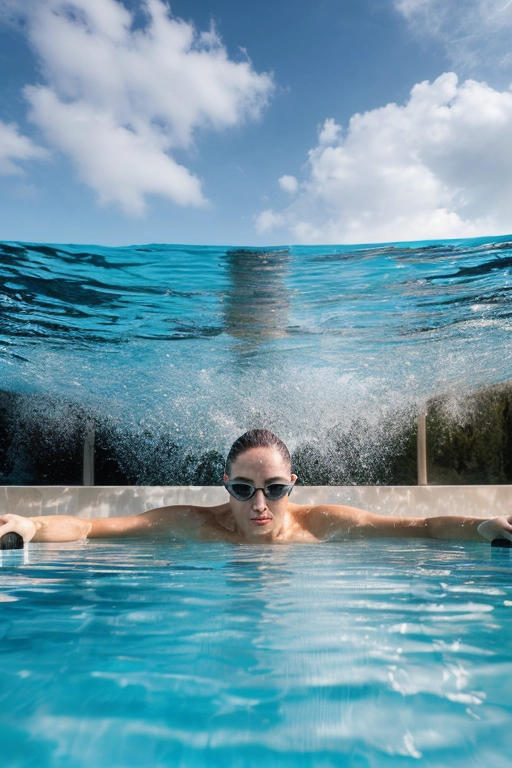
column 256, row 438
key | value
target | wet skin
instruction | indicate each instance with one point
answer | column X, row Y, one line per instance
column 257, row 520
column 260, row 519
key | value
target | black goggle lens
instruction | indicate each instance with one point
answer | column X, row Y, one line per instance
column 244, row 491
column 276, row 491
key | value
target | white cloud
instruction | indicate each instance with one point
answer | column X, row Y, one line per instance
column 438, row 167
column 119, row 100
column 16, row 149
column 289, row 184
column 120, row 164
column 475, row 33
column 267, row 221
column 328, row 132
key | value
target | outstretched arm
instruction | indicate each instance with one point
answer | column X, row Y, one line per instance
column 449, row 527
column 52, row 528
column 336, row 521
column 56, row 528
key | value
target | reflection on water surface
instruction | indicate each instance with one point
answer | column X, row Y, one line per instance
column 369, row 653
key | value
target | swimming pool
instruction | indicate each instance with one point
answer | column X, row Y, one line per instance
column 141, row 654
column 131, row 654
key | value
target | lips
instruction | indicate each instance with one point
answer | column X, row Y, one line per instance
column 261, row 520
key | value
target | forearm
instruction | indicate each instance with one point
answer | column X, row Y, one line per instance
column 453, row 528
column 60, row 528
column 448, row 527
column 66, row 528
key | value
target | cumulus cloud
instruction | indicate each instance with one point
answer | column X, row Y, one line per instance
column 475, row 33
column 120, row 99
column 329, row 132
column 15, row 149
column 439, row 166
column 288, row 184
column 268, row 221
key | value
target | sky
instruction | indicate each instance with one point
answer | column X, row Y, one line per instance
column 258, row 123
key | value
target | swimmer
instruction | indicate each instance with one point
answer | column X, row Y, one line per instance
column 259, row 481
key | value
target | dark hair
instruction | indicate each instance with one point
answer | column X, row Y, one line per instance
column 256, row 438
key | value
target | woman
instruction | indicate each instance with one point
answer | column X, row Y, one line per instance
column 259, row 481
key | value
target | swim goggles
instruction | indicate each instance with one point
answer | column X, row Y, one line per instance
column 245, row 491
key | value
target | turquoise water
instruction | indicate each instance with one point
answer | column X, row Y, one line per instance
column 347, row 654
column 201, row 343
column 161, row 654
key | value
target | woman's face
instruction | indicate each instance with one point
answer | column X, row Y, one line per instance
column 260, row 517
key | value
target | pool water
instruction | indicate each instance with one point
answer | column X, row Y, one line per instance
column 131, row 654
column 235, row 338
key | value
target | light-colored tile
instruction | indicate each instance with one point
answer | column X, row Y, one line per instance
column 405, row 501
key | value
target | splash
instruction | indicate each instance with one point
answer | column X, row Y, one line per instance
column 173, row 351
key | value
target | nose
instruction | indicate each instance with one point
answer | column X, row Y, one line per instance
column 259, row 502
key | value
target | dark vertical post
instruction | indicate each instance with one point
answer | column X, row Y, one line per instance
column 89, row 454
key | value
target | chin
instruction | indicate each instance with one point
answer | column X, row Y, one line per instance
column 261, row 530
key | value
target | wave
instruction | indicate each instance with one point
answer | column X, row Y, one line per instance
column 193, row 345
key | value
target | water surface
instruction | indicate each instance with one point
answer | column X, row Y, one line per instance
column 149, row 654
column 204, row 342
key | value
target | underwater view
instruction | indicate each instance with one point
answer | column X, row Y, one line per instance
column 168, row 353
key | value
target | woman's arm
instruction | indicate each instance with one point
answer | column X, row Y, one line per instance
column 52, row 528
column 55, row 528
column 335, row 521
column 448, row 527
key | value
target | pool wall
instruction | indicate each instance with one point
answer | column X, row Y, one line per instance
column 110, row 501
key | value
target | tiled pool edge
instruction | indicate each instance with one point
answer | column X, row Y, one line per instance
column 109, row 501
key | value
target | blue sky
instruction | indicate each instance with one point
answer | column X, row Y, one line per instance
column 257, row 123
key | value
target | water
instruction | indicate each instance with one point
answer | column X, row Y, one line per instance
column 147, row 654
column 158, row 654
column 200, row 343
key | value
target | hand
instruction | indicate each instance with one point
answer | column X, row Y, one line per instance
column 496, row 528
column 22, row 525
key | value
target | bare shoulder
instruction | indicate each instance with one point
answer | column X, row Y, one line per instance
column 185, row 519
column 326, row 521
column 204, row 521
column 330, row 521
column 186, row 515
